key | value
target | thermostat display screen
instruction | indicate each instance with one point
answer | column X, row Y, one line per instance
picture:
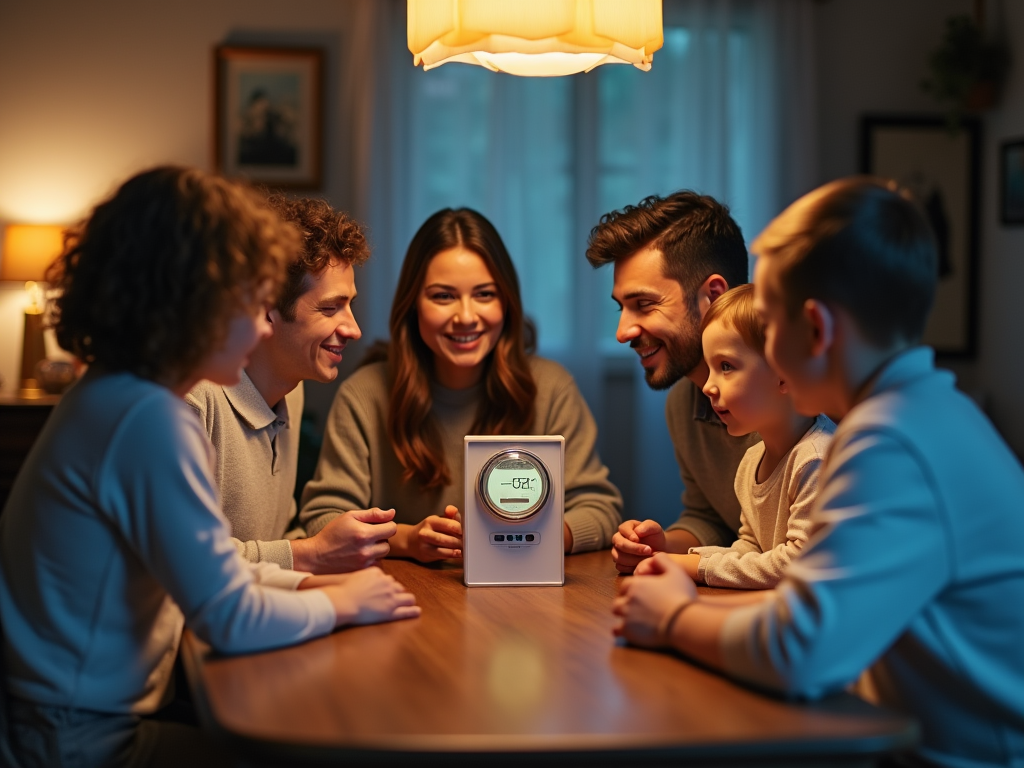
column 514, row 484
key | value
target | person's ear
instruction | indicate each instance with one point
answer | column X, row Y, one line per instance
column 821, row 325
column 710, row 290
column 782, row 387
column 274, row 317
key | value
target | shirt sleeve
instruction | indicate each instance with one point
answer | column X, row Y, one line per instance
column 877, row 554
column 593, row 505
column 342, row 480
column 743, row 565
column 277, row 552
column 156, row 485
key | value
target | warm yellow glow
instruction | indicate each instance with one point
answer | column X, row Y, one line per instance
column 28, row 250
column 537, row 38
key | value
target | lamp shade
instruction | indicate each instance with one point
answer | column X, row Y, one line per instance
column 28, row 250
column 539, row 38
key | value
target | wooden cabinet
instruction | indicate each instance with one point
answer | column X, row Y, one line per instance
column 21, row 421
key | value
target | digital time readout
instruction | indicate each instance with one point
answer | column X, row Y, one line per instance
column 514, row 484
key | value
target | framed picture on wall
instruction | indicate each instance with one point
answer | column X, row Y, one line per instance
column 268, row 113
column 939, row 166
column 1011, row 182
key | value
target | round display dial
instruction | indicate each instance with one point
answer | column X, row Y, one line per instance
column 514, row 484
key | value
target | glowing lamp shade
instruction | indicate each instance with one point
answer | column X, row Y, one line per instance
column 28, row 250
column 535, row 38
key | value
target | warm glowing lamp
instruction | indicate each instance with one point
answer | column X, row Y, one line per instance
column 537, row 38
column 28, row 250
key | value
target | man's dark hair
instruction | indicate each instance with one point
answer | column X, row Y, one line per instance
column 328, row 237
column 695, row 234
column 862, row 243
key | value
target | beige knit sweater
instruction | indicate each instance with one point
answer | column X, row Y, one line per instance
column 358, row 468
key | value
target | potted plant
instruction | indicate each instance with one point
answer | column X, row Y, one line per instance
column 967, row 70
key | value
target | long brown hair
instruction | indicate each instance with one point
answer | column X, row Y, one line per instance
column 509, row 388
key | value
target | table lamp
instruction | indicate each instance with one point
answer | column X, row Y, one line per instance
column 28, row 249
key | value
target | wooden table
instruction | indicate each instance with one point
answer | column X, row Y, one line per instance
column 507, row 675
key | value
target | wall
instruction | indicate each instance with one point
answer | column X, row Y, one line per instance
column 872, row 56
column 92, row 92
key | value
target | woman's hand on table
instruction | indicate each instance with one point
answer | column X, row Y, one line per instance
column 434, row 538
column 649, row 603
column 367, row 597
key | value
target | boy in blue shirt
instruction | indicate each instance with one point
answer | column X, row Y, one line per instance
column 914, row 570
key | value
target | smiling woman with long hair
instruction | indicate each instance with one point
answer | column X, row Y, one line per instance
column 459, row 362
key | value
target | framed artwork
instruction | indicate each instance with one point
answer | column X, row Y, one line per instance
column 268, row 113
column 940, row 168
column 1011, row 182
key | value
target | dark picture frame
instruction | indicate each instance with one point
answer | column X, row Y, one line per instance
column 940, row 165
column 1011, row 182
column 268, row 115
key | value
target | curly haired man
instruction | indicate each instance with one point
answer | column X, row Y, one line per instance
column 254, row 425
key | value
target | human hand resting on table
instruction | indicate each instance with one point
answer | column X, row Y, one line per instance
column 365, row 597
column 351, row 541
column 636, row 541
column 649, row 603
column 435, row 538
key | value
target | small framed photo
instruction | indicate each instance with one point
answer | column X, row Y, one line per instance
column 268, row 115
column 939, row 165
column 1011, row 182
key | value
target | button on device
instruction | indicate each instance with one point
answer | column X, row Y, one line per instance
column 516, row 540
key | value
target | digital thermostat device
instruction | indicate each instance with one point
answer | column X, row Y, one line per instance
column 514, row 507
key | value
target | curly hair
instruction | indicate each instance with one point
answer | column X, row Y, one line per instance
column 149, row 282
column 509, row 390
column 328, row 237
column 695, row 234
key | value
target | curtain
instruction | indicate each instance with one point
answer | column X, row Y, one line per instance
column 728, row 109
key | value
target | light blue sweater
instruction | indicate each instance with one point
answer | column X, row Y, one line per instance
column 111, row 537
column 915, row 568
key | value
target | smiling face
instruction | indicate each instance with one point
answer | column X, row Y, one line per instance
column 461, row 315
column 744, row 390
column 311, row 345
column 657, row 319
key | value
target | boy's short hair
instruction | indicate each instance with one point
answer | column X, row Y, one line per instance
column 735, row 308
column 695, row 234
column 149, row 282
column 862, row 243
column 328, row 237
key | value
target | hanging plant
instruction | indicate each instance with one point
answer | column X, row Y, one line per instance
column 967, row 70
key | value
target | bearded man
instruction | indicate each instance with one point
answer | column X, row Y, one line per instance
column 672, row 257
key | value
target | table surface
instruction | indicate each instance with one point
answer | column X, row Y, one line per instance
column 496, row 672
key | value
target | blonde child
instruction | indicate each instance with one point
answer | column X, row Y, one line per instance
column 777, row 479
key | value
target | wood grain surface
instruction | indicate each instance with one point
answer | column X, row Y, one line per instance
column 498, row 672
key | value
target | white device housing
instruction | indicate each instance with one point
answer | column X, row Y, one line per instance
column 496, row 550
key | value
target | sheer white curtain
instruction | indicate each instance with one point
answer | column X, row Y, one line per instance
column 728, row 110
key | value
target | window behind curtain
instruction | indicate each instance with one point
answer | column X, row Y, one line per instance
column 727, row 110
column 505, row 146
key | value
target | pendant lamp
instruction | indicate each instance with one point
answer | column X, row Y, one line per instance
column 535, row 38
